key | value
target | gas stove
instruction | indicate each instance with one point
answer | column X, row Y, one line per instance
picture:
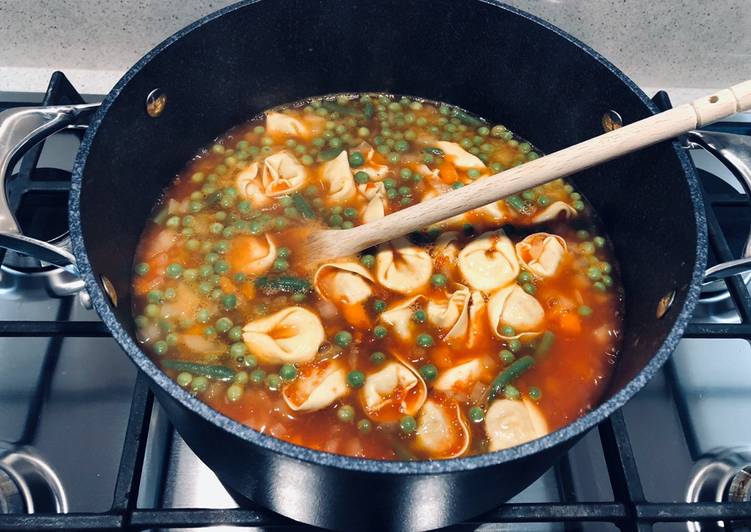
column 84, row 446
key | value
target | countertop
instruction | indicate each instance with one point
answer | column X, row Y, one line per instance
column 689, row 46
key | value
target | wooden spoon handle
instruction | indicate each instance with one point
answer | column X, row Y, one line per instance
column 562, row 163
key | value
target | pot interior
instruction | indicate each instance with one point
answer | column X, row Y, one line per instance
column 490, row 60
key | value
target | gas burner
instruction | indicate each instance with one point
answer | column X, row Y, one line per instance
column 722, row 475
column 29, row 485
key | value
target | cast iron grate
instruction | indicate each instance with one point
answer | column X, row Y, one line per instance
column 630, row 510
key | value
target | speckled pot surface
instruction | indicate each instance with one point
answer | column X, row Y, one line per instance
column 481, row 55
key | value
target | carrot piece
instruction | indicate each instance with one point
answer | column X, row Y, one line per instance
column 226, row 285
column 356, row 316
column 448, row 173
column 570, row 324
column 248, row 290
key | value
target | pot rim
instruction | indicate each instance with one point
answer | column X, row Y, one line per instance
column 304, row 454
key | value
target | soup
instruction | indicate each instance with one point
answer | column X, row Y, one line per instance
column 480, row 333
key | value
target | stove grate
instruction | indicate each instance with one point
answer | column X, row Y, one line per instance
column 629, row 511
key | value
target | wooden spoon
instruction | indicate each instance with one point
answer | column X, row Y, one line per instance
column 324, row 244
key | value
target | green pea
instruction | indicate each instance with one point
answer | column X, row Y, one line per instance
column 209, row 331
column 343, row 338
column 345, row 413
column 511, row 392
column 216, row 228
column 355, row 378
column 529, row 288
column 379, row 305
column 473, row 173
column 142, row 268
column 237, row 350
column 241, row 377
column 288, row 372
column 585, row 311
column 364, row 426
column 202, row 316
column 600, row 286
column 438, row 280
column 281, row 265
column 425, row 340
column 250, row 362
column 506, row 356
column 543, row 201
column 524, row 277
column 160, row 347
column 407, row 424
column 598, row 241
column 307, row 160
column 361, row 177
column 429, row 372
column 514, row 345
column 151, row 310
column 220, row 267
column 379, row 331
column 234, row 393
column 377, row 357
column 534, row 393
column 476, row 414
column 594, row 273
column 174, row 270
column 588, row 248
column 273, row 382
column 391, row 193
column 350, row 212
column 457, row 184
column 356, row 159
column 607, row 281
column 582, row 234
column 508, row 330
column 419, row 316
column 578, row 205
column 335, row 220
column 606, row 267
column 529, row 195
column 155, row 296
column 257, row 376
column 389, row 183
column 404, row 191
column 184, row 378
column 199, row 384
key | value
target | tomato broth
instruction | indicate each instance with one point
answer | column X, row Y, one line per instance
column 480, row 333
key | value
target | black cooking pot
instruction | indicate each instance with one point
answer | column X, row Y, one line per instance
column 494, row 60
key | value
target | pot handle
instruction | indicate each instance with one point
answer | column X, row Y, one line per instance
column 21, row 128
column 733, row 151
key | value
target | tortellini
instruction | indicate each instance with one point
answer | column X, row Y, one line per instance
column 375, row 194
column 514, row 307
column 402, row 267
column 345, row 282
column 348, row 285
column 511, row 422
column 452, row 314
column 317, row 386
column 541, row 253
column 285, row 125
column 446, row 248
column 489, row 261
column 399, row 317
column 442, row 430
column 250, row 187
column 282, row 174
column 459, row 157
column 291, row 335
column 553, row 211
column 376, row 171
column 392, row 392
column 252, row 255
column 460, row 377
column 337, row 176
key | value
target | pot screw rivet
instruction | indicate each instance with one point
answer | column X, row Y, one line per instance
column 611, row 120
column 109, row 289
column 156, row 101
column 664, row 304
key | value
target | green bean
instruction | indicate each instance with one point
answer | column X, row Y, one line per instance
column 546, row 342
column 329, row 153
column 213, row 371
column 334, row 107
column 467, row 118
column 516, row 203
column 302, row 205
column 511, row 373
column 283, row 283
column 432, row 150
column 368, row 110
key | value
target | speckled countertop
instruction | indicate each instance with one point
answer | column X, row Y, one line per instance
column 684, row 45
